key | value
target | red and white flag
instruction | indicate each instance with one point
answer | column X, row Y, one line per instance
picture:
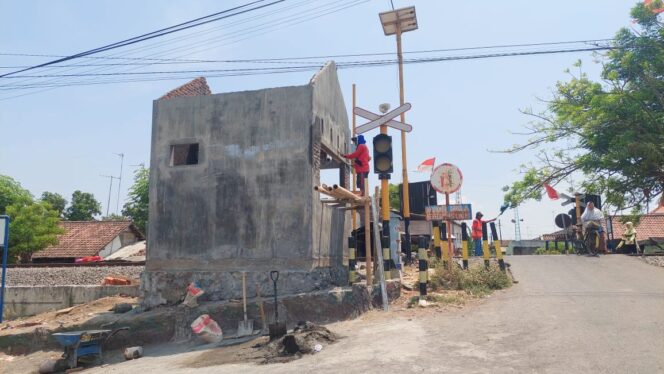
column 427, row 165
column 553, row 194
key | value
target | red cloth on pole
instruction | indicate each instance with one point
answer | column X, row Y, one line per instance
column 553, row 194
column 427, row 165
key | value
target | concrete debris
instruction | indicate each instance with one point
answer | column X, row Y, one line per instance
column 60, row 276
column 133, row 353
column 654, row 260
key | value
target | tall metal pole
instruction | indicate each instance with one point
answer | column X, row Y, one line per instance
column 117, row 205
column 110, row 189
column 5, row 251
column 449, row 231
column 404, row 163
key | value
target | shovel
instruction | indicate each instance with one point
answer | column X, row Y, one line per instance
column 245, row 327
column 277, row 328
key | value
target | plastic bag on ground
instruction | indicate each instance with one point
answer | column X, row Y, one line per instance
column 194, row 291
column 207, row 329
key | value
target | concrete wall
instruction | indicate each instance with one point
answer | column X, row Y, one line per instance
column 30, row 300
column 248, row 205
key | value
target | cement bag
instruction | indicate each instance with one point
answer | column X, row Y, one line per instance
column 207, row 329
column 193, row 292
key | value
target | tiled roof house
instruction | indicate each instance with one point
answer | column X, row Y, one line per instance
column 89, row 238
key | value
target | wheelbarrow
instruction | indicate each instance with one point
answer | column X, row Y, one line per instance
column 88, row 343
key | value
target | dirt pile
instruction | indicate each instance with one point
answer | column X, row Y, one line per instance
column 306, row 338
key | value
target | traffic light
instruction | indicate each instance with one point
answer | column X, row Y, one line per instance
column 382, row 155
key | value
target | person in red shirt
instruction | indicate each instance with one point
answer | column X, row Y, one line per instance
column 477, row 232
column 361, row 164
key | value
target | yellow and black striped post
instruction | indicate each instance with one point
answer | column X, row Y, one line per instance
column 423, row 266
column 464, row 244
column 387, row 268
column 352, row 260
column 435, row 231
column 485, row 245
column 497, row 244
column 444, row 244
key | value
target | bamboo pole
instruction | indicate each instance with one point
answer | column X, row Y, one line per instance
column 344, row 192
column 367, row 235
column 354, row 218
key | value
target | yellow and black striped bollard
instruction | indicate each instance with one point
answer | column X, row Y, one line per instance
column 352, row 260
column 435, row 231
column 497, row 244
column 464, row 244
column 387, row 267
column 485, row 245
column 423, row 266
column 444, row 245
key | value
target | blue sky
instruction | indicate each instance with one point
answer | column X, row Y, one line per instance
column 63, row 139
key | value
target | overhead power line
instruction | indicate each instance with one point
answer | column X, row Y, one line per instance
column 157, row 61
column 165, row 31
column 212, row 73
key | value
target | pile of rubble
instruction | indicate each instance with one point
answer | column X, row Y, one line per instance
column 306, row 338
column 61, row 276
column 654, row 260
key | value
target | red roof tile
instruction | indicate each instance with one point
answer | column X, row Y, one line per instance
column 85, row 238
column 197, row 87
column 650, row 226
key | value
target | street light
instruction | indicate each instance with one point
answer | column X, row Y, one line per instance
column 396, row 22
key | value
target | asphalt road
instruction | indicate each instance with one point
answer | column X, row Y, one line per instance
column 568, row 314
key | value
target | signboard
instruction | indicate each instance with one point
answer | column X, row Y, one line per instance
column 446, row 178
column 386, row 119
column 3, row 225
column 455, row 212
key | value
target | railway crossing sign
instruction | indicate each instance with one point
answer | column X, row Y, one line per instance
column 446, row 178
column 386, row 119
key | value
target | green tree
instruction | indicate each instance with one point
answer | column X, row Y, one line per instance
column 608, row 134
column 57, row 202
column 395, row 200
column 83, row 207
column 11, row 192
column 34, row 226
column 138, row 205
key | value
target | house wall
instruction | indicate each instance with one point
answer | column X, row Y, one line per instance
column 248, row 205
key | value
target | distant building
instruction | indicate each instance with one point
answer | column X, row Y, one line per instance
column 89, row 238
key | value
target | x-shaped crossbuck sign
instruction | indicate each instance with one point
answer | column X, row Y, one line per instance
column 386, row 119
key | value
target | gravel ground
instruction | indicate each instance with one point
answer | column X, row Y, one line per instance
column 68, row 275
column 655, row 260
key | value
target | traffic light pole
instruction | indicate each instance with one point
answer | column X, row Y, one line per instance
column 404, row 163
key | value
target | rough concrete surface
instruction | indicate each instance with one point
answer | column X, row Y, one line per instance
column 246, row 202
column 567, row 314
column 71, row 275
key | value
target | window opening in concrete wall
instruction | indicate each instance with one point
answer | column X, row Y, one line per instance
column 184, row 154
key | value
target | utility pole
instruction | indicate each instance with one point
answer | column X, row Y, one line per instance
column 396, row 22
column 517, row 224
column 117, row 205
column 110, row 189
column 500, row 232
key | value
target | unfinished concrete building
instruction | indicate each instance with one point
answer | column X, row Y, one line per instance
column 231, row 190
